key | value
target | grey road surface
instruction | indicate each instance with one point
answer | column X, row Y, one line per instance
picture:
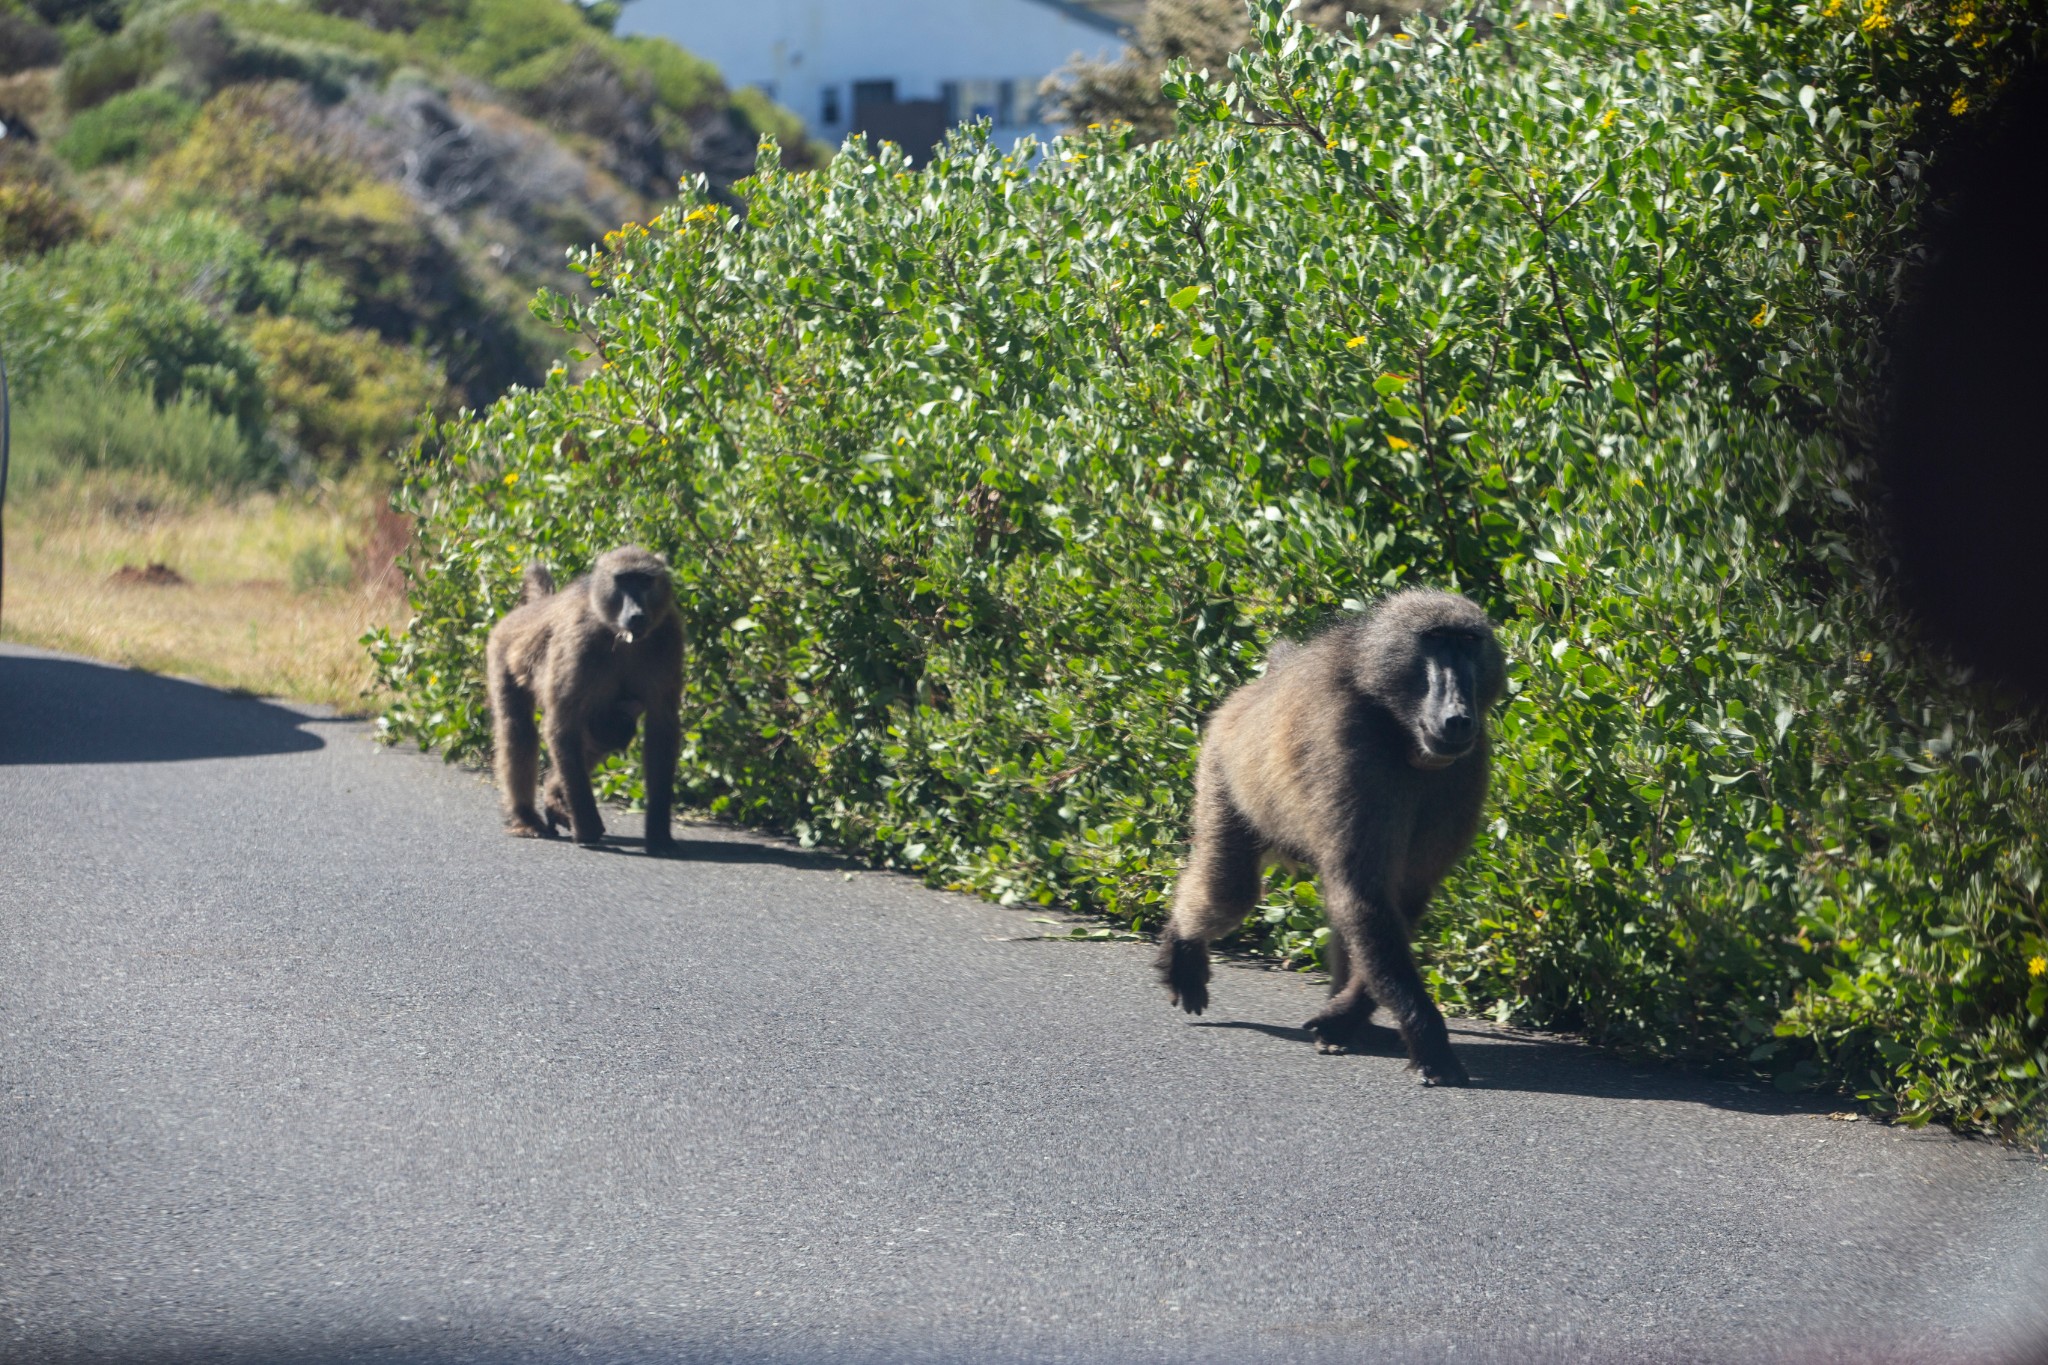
column 304, row 1061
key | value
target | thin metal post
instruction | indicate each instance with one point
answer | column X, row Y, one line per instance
column 6, row 415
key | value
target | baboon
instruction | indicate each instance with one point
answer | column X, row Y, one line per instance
column 595, row 657
column 1361, row 755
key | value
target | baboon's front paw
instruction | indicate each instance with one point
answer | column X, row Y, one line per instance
column 661, row 843
column 1444, row 1070
column 529, row 827
column 1184, row 966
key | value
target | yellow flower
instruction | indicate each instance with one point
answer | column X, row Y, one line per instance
column 1831, row 9
column 511, row 479
column 1607, row 119
column 1396, row 443
column 1763, row 314
column 1960, row 105
column 1300, row 90
column 1963, row 18
column 1158, row 328
column 2037, row 965
column 1355, row 343
column 1093, row 127
column 1876, row 16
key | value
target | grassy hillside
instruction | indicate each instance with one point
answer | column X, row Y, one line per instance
column 246, row 244
column 984, row 484
column 315, row 221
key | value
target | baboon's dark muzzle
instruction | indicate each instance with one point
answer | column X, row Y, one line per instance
column 1454, row 735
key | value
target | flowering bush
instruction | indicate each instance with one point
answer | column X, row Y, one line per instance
column 983, row 484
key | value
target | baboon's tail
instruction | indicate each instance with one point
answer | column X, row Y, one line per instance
column 538, row 582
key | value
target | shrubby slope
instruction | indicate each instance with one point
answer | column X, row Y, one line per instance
column 984, row 484
column 314, row 220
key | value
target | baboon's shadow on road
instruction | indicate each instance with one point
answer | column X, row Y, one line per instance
column 689, row 850
column 1499, row 1060
column 55, row 710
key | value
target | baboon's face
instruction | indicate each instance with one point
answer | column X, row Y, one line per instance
column 631, row 592
column 1455, row 675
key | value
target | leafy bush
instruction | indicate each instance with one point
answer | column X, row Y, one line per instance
column 159, row 305
column 343, row 396
column 982, row 485
column 320, row 568
column 78, row 422
column 245, row 156
column 132, row 125
column 26, row 42
column 35, row 217
column 100, row 70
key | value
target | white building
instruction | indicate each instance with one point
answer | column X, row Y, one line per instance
column 900, row 69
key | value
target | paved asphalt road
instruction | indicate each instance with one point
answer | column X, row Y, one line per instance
column 304, row 1061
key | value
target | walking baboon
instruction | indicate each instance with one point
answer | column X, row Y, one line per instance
column 1362, row 755
column 595, row 657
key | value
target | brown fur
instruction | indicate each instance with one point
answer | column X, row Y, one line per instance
column 569, row 653
column 1345, row 758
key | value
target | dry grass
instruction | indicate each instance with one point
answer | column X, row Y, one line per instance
column 273, row 599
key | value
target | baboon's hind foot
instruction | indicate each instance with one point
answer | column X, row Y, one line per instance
column 1351, row 1030
column 1439, row 1066
column 527, row 824
column 556, row 811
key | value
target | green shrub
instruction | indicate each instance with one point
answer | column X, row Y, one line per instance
column 35, row 217
column 245, row 157
column 80, row 422
column 102, row 69
column 320, row 568
column 156, row 306
column 26, row 42
column 488, row 38
column 983, row 485
column 343, row 396
column 208, row 52
column 678, row 80
column 129, row 126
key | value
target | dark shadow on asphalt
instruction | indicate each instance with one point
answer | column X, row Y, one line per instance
column 55, row 710
column 688, row 850
column 1499, row 1061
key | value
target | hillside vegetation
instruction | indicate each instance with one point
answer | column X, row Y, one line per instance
column 287, row 229
column 984, row 484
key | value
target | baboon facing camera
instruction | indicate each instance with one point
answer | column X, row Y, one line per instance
column 1362, row 755
column 596, row 658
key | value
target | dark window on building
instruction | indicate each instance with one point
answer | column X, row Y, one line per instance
column 949, row 96
column 828, row 107
column 875, row 94
column 1006, row 103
